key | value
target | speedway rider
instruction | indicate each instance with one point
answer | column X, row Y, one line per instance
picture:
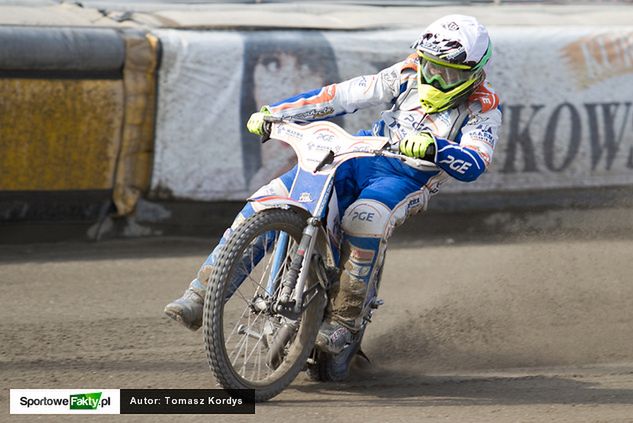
column 442, row 110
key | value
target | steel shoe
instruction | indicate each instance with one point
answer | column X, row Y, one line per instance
column 333, row 337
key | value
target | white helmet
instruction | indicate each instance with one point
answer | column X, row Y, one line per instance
column 452, row 53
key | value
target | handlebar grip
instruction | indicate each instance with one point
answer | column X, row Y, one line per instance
column 268, row 124
column 273, row 119
column 267, row 128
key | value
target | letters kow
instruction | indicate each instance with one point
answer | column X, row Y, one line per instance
column 459, row 166
column 596, row 133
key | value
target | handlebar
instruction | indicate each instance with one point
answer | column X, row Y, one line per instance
column 411, row 161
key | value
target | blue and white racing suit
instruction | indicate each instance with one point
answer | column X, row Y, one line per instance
column 377, row 193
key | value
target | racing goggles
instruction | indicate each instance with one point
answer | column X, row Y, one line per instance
column 443, row 75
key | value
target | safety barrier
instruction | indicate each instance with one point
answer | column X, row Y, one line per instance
column 62, row 108
column 76, row 116
column 134, row 162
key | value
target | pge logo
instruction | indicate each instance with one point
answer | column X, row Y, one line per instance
column 364, row 216
column 324, row 136
column 458, row 165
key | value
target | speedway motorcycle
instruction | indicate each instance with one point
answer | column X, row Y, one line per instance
column 269, row 288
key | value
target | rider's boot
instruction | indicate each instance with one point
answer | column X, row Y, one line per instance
column 333, row 336
column 188, row 308
column 346, row 303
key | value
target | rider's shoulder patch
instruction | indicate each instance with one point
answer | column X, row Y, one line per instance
column 411, row 62
column 485, row 95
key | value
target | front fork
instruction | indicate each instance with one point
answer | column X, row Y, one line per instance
column 279, row 256
column 297, row 274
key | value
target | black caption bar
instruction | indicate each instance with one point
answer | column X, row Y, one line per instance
column 187, row 401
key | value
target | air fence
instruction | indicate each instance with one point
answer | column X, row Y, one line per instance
column 94, row 115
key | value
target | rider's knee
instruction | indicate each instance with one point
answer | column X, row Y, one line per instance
column 366, row 218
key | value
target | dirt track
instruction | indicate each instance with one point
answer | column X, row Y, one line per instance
column 527, row 331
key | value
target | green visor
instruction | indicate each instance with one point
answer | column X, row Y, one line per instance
column 443, row 75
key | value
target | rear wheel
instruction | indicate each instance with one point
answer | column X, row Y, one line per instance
column 248, row 345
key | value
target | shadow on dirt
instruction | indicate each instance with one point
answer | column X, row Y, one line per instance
column 107, row 250
column 383, row 388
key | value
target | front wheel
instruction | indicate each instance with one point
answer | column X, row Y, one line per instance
column 248, row 344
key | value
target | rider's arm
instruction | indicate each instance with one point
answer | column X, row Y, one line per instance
column 344, row 97
column 468, row 159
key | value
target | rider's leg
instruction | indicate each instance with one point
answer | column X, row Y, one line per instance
column 188, row 308
column 384, row 203
column 363, row 225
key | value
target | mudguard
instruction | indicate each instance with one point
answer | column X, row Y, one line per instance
column 279, row 202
